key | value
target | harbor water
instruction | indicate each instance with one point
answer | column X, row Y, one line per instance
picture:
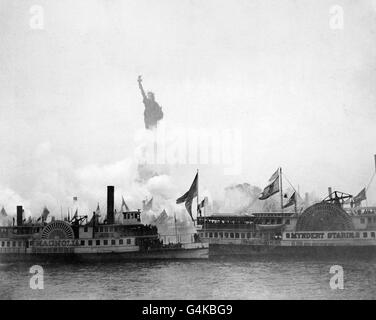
column 261, row 278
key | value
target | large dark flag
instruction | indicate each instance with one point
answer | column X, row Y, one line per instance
column 189, row 196
column 291, row 201
column 269, row 190
column 360, row 197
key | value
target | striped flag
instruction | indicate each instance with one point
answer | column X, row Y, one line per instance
column 291, row 201
column 274, row 176
column 360, row 197
column 270, row 189
column 202, row 204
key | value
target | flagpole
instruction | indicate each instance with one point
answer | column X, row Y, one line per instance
column 176, row 231
column 197, row 199
column 280, row 181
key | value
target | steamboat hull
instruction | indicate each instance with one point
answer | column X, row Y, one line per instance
column 153, row 254
column 253, row 251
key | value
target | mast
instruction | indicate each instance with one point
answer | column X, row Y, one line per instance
column 281, row 191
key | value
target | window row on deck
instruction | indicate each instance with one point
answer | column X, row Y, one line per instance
column 231, row 235
column 105, row 242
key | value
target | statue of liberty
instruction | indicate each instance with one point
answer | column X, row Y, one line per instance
column 153, row 111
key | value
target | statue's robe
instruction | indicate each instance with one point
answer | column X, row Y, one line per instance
column 152, row 113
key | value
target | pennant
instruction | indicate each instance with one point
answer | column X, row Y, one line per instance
column 124, row 205
column 269, row 190
column 189, row 196
column 75, row 214
column 291, row 201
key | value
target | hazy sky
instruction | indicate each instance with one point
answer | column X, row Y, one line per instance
column 301, row 93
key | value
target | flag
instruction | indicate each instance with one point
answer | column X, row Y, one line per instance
column 269, row 190
column 3, row 213
column 45, row 213
column 162, row 218
column 98, row 211
column 291, row 201
column 123, row 205
column 202, row 204
column 75, row 198
column 359, row 197
column 148, row 205
column 189, row 195
column 274, row 176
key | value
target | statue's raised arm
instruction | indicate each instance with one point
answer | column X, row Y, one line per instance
column 139, row 80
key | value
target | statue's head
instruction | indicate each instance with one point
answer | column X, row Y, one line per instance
column 151, row 96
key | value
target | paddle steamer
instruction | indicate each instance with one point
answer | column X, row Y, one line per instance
column 80, row 239
column 325, row 228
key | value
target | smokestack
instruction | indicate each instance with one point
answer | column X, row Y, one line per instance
column 330, row 192
column 19, row 216
column 110, row 204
